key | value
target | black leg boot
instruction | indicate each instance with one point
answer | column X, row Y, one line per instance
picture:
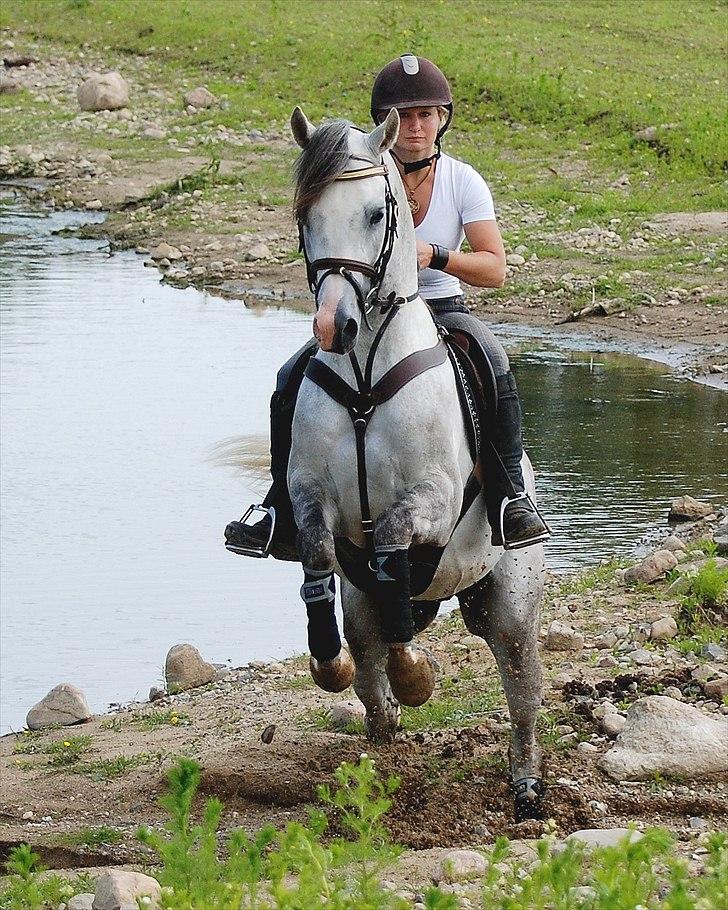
column 514, row 519
column 275, row 533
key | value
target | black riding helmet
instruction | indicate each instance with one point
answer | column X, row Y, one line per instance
column 411, row 81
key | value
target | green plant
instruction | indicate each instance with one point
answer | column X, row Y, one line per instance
column 94, row 837
column 25, row 889
column 155, row 719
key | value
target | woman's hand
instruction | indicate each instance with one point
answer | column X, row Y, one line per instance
column 424, row 254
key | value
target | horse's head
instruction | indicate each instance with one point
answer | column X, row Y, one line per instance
column 348, row 222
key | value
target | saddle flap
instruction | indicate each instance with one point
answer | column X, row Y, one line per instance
column 476, row 387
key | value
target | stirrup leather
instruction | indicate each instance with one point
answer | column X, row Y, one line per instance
column 528, row 541
column 251, row 550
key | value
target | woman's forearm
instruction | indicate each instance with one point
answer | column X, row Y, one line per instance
column 481, row 270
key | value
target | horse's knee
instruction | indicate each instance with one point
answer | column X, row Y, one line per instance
column 316, row 547
column 395, row 526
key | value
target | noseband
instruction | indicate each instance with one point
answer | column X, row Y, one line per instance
column 345, row 267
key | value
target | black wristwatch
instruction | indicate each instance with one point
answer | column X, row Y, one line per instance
column 440, row 257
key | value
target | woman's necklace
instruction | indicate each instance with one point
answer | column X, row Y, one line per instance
column 411, row 201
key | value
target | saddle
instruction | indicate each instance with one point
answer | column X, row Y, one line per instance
column 478, row 396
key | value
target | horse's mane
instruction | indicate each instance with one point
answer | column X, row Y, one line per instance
column 319, row 164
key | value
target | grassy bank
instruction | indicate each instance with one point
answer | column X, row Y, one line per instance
column 544, row 91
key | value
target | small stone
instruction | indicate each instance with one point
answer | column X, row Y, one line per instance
column 716, row 688
column 648, row 134
column 164, row 250
column 257, row 251
column 103, row 92
column 460, row 865
column 117, row 889
column 663, row 628
column 697, row 823
column 65, row 705
column 613, row 724
column 185, row 669
column 26, row 816
column 685, row 508
column 606, row 707
column 673, row 692
column 607, row 661
column 587, row 748
column 515, row 259
column 561, row 637
column 674, row 543
column 155, row 693
column 642, row 658
column 650, row 569
column 199, row 98
column 9, row 86
column 153, row 132
column 347, row 712
column 605, row 837
column 606, row 642
column 713, row 650
column 561, row 680
column 81, row 902
column 474, row 642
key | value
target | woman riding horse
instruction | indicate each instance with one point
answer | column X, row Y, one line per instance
column 449, row 201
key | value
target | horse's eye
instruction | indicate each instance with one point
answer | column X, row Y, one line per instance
column 376, row 217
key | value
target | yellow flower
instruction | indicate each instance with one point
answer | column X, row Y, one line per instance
column 66, row 744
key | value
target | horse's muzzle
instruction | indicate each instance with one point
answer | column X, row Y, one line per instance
column 335, row 327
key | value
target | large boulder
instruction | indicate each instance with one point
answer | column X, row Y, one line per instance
column 667, row 736
column 64, row 705
column 655, row 566
column 685, row 508
column 121, row 890
column 185, row 669
column 103, row 92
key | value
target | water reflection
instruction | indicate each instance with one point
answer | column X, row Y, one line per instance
column 117, row 390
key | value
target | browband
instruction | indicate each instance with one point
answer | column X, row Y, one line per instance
column 376, row 170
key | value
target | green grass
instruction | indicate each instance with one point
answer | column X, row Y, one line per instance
column 537, row 84
column 152, row 720
column 94, row 837
column 602, row 576
column 63, row 753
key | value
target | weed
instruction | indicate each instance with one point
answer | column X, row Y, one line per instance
column 704, row 606
column 598, row 577
column 62, row 752
column 112, row 723
column 25, row 889
column 155, row 719
column 94, row 837
column 109, row 768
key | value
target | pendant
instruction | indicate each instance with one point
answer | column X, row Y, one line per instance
column 413, row 204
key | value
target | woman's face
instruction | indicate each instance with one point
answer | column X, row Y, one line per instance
column 418, row 131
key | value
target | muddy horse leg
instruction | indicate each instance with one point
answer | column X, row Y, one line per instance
column 505, row 611
column 369, row 650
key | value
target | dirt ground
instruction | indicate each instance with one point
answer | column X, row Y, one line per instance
column 452, row 764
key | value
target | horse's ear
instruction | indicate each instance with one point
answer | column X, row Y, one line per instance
column 301, row 127
column 382, row 138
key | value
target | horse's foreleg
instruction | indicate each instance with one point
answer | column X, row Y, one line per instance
column 331, row 666
column 364, row 637
column 417, row 516
column 505, row 611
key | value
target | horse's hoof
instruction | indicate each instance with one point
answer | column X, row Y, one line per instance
column 411, row 674
column 333, row 675
column 529, row 793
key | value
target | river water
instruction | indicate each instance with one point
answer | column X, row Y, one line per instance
column 118, row 391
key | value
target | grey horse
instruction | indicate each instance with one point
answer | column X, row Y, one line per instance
column 358, row 239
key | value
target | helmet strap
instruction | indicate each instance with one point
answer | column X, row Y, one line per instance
column 410, row 167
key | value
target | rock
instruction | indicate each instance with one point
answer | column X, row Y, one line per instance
column 120, row 890
column 153, row 132
column 474, row 642
column 685, row 508
column 673, row 692
column 607, row 661
column 257, row 251
column 713, row 651
column 81, row 902
column 460, row 865
column 720, row 537
column 155, row 693
column 605, row 837
column 199, row 98
column 561, row 637
column 697, row 823
column 613, row 724
column 648, row 134
column 103, row 92
column 166, row 251
column 95, row 205
column 641, row 657
column 655, row 566
column 64, row 705
column 9, row 86
column 606, row 707
column 515, row 259
column 185, row 669
column 663, row 628
column 606, row 642
column 561, row 680
column 347, row 712
column 587, row 748
column 665, row 735
column 717, row 688
column 673, row 543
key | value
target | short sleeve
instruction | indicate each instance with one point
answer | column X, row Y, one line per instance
column 476, row 201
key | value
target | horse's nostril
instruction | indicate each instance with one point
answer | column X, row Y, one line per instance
column 349, row 332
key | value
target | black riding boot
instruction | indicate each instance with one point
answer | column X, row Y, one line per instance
column 513, row 517
column 256, row 539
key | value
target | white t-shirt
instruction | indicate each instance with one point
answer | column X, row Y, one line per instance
column 459, row 196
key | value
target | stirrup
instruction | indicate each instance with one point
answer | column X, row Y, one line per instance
column 262, row 551
column 528, row 541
